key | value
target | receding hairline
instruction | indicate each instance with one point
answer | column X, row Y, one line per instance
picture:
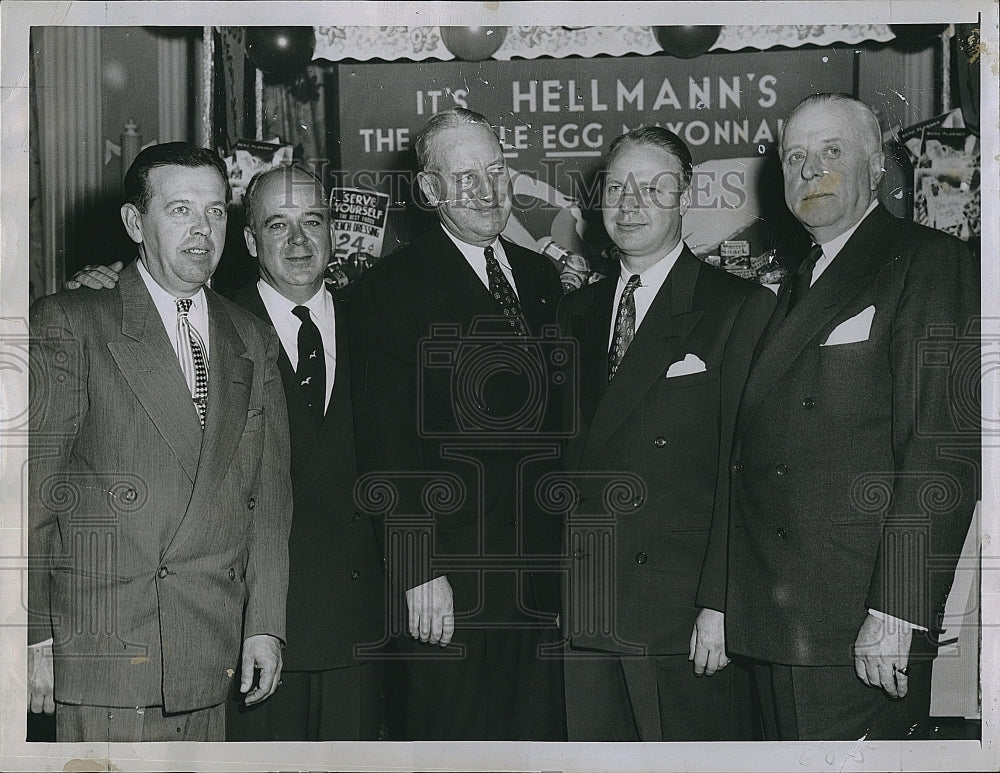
column 259, row 182
column 870, row 131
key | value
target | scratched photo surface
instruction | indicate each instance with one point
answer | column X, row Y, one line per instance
column 437, row 517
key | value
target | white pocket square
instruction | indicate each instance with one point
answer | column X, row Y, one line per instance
column 691, row 363
column 853, row 330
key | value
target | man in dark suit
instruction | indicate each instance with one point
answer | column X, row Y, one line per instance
column 664, row 352
column 331, row 688
column 456, row 415
column 159, row 492
column 856, row 455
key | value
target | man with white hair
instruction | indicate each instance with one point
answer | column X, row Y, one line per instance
column 855, row 465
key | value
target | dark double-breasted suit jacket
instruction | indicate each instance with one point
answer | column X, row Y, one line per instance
column 156, row 547
column 336, row 603
column 459, row 420
column 647, row 536
column 856, row 464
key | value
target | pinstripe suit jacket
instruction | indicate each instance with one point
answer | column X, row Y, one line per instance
column 155, row 547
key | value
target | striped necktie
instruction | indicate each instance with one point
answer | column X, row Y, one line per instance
column 191, row 354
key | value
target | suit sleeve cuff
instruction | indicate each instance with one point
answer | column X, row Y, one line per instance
column 39, row 644
column 884, row 616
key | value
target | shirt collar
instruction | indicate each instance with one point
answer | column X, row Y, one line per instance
column 271, row 297
column 477, row 253
column 162, row 298
column 655, row 275
column 833, row 247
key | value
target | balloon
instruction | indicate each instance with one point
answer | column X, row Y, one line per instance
column 686, row 42
column 917, row 34
column 473, row 44
column 280, row 50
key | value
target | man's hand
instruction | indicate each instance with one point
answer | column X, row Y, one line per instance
column 881, row 653
column 95, row 277
column 708, row 643
column 264, row 652
column 432, row 611
column 40, row 680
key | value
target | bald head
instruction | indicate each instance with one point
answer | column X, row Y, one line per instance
column 289, row 230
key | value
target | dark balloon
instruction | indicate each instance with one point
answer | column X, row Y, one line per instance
column 280, row 50
column 686, row 42
column 473, row 44
column 917, row 34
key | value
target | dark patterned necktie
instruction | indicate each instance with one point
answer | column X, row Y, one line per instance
column 802, row 279
column 194, row 363
column 311, row 371
column 624, row 326
column 503, row 293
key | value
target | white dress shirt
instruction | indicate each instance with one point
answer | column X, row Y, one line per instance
column 833, row 247
column 286, row 324
column 652, row 280
column 476, row 258
column 166, row 305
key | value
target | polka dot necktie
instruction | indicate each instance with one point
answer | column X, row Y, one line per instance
column 503, row 293
column 624, row 326
column 194, row 363
column 801, row 280
column 311, row 370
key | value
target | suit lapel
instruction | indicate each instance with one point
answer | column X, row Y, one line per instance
column 848, row 275
column 230, row 374
column 148, row 364
column 524, row 267
column 667, row 324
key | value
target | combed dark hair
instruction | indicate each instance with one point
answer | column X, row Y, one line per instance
column 867, row 118
column 446, row 119
column 658, row 137
column 252, row 194
column 136, row 184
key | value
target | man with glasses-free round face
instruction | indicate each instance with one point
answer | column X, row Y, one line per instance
column 180, row 473
column 470, row 614
column 664, row 349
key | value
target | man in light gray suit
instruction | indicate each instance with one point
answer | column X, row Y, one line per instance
column 160, row 502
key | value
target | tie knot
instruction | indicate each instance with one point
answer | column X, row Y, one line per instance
column 183, row 306
column 488, row 252
column 302, row 312
column 634, row 281
column 814, row 254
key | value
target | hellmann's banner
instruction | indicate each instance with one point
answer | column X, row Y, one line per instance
column 556, row 118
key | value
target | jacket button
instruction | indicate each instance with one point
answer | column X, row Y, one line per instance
column 781, row 533
column 637, row 502
column 232, row 574
column 162, row 572
column 355, row 574
column 356, row 516
column 808, row 403
column 660, row 442
column 781, row 470
column 641, row 558
column 578, row 553
column 737, row 468
column 252, row 503
column 129, row 495
column 511, row 522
